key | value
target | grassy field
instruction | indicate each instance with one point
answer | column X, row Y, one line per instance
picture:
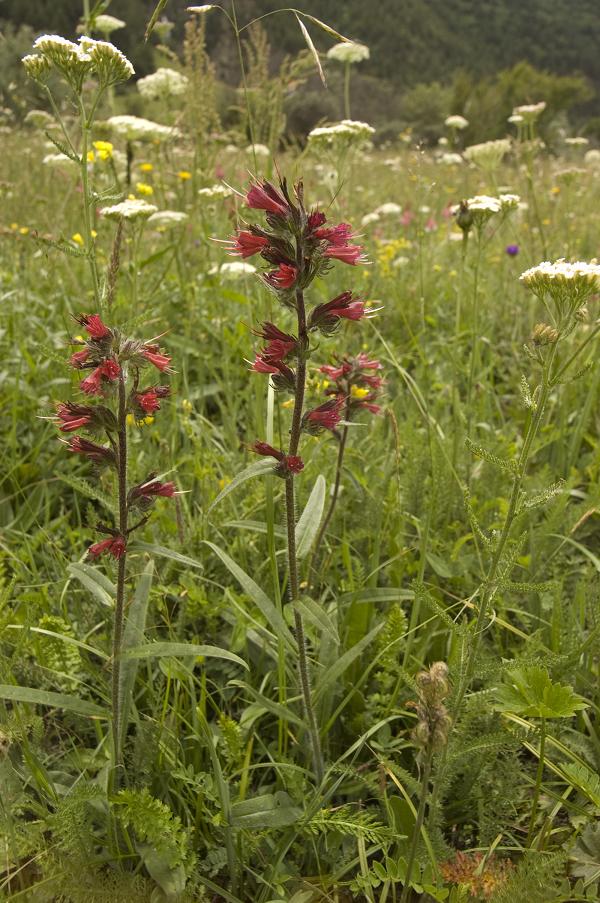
column 440, row 739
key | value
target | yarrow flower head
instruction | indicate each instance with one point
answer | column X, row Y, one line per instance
column 456, row 122
column 488, row 155
column 567, row 285
column 347, row 133
column 162, row 84
column 131, row 209
column 530, row 112
column 135, row 128
column 348, row 52
column 108, row 63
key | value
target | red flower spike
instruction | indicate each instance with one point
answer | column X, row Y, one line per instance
column 73, row 416
column 327, row 316
column 335, row 372
column 315, row 220
column 338, row 236
column 363, row 362
column 283, row 277
column 115, row 546
column 266, row 197
column 149, row 399
column 154, row 488
column 94, row 326
column 351, row 254
column 92, row 384
column 154, row 356
column 280, row 343
column 79, row 359
column 245, row 244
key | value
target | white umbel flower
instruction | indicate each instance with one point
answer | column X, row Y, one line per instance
column 134, row 128
column 131, row 209
column 530, row 111
column 567, row 285
column 109, row 64
column 215, row 192
column 233, row 269
column 389, row 209
column 162, row 84
column 346, row 132
column 260, row 150
column 106, row 24
column 167, row 219
column 348, row 52
column 451, row 159
column 592, row 157
column 577, row 141
column 456, row 122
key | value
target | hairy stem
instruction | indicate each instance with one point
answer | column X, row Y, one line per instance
column 90, row 250
column 290, row 507
column 120, row 600
column 334, row 496
column 538, row 782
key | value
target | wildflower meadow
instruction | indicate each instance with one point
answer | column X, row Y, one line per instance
column 299, row 498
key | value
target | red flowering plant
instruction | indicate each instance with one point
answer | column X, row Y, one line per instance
column 299, row 246
column 115, row 365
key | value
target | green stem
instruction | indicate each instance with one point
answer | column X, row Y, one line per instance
column 538, row 782
column 347, row 90
column 238, row 42
column 475, row 344
column 334, row 496
column 418, row 826
column 87, row 203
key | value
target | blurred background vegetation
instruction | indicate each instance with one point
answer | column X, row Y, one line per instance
column 429, row 58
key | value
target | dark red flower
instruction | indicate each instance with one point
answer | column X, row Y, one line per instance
column 266, row 197
column 154, row 488
column 92, row 384
column 246, row 244
column 114, row 545
column 315, row 220
column 153, row 354
column 73, row 416
column 94, row 326
column 287, row 463
column 149, row 399
column 99, row 454
column 326, row 416
column 351, row 254
column 283, row 277
column 338, row 236
column 280, row 344
column 336, row 372
column 79, row 359
column 327, row 316
column 282, row 376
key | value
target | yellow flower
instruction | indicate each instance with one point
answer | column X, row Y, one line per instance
column 184, row 175
column 437, row 268
column 144, row 188
column 145, row 421
column 130, row 420
column 453, row 274
column 14, row 226
column 146, row 167
column 223, row 482
column 148, row 421
column 555, row 189
column 187, row 406
column 94, row 233
column 23, row 230
column 288, row 404
column 77, row 238
column 358, row 392
column 546, row 222
column 91, row 156
column 104, row 148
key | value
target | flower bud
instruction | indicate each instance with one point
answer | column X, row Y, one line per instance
column 544, row 334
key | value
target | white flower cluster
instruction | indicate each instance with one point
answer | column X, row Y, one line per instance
column 233, row 269
column 568, row 285
column 456, row 122
column 530, row 111
column 162, row 84
column 58, row 161
column 131, row 209
column 348, row 52
column 346, row 132
column 215, row 192
column 167, row 219
column 134, row 128
column 259, row 150
column 578, row 141
column 509, row 201
column 389, row 209
column 488, row 155
column 106, row 24
column 592, row 157
column 77, row 61
column 450, row 159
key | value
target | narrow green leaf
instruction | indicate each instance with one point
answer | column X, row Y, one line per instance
column 254, row 470
column 133, row 635
column 316, row 615
column 154, row 18
column 335, row 671
column 56, row 700
column 310, row 519
column 312, row 48
column 163, row 552
column 334, row 34
column 181, row 650
column 258, row 596
column 95, row 582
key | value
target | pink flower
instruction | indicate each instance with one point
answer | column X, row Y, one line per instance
column 283, row 277
column 153, row 354
column 94, row 326
column 154, row 488
column 407, row 217
column 92, row 384
column 283, row 377
column 326, row 416
column 287, row 463
column 351, row 254
column 338, row 236
column 430, row 225
column 266, row 197
column 315, row 220
column 73, row 416
column 245, row 244
column 114, row 545
column 363, row 362
column 149, row 399
column 335, row 372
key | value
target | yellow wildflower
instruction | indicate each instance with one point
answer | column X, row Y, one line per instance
column 144, row 188
column 184, row 175
column 358, row 392
column 78, row 238
column 91, row 156
column 104, row 148
column 555, row 189
column 23, row 230
column 146, row 167
column 288, row 404
column 223, row 482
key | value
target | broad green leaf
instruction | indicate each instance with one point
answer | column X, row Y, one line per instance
column 266, row 811
column 585, row 857
column 55, row 700
column 310, row 519
column 258, row 596
column 180, row 650
column 530, row 692
column 95, row 581
column 170, row 880
column 257, row 469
